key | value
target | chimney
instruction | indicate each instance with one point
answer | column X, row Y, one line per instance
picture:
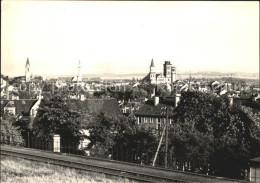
column 177, row 99
column 82, row 97
column 153, row 94
column 231, row 98
column 7, row 86
column 39, row 97
column 156, row 100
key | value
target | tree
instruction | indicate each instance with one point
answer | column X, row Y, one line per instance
column 57, row 115
column 138, row 94
column 119, row 137
column 139, row 143
column 209, row 131
column 104, row 130
column 10, row 134
column 22, row 125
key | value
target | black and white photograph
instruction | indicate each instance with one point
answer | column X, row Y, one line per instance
column 130, row 91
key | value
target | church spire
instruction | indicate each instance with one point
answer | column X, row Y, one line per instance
column 79, row 73
column 152, row 63
column 27, row 71
column 27, row 62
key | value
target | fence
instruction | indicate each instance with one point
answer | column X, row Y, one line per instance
column 120, row 153
column 48, row 145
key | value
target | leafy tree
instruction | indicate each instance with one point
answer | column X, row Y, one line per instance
column 23, row 126
column 57, row 115
column 140, row 143
column 139, row 94
column 209, row 131
column 120, row 137
column 10, row 134
column 104, row 130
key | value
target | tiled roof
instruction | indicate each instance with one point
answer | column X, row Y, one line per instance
column 22, row 107
column 93, row 107
column 255, row 161
column 146, row 78
column 148, row 109
column 3, row 104
column 157, row 75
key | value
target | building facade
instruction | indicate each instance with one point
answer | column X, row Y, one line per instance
column 21, row 108
column 255, row 170
column 168, row 75
column 153, row 113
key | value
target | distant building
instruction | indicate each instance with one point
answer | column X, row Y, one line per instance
column 27, row 71
column 153, row 114
column 24, row 108
column 77, row 79
column 168, row 75
column 130, row 107
column 255, row 170
column 3, row 85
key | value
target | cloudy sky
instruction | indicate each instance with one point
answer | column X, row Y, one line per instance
column 123, row 37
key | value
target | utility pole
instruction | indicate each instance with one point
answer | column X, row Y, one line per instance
column 166, row 140
column 158, row 148
column 231, row 82
column 166, row 132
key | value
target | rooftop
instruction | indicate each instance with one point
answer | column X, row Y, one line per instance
column 148, row 109
column 22, row 106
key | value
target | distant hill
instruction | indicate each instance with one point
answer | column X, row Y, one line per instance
column 180, row 75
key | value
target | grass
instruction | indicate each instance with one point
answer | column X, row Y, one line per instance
column 16, row 170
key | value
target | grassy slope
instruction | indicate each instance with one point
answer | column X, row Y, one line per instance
column 15, row 170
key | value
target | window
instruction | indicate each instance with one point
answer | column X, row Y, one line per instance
column 164, row 120
column 145, row 120
column 139, row 120
column 159, row 120
column 10, row 110
column 158, row 127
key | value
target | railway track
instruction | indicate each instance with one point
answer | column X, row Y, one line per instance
column 131, row 171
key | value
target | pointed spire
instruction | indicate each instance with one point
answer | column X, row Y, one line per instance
column 152, row 64
column 79, row 64
column 27, row 61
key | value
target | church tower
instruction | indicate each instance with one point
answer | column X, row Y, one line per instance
column 79, row 77
column 167, row 71
column 152, row 73
column 173, row 74
column 27, row 71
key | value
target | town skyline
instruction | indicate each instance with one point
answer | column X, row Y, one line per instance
column 123, row 37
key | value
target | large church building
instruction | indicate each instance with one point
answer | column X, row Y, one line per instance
column 168, row 75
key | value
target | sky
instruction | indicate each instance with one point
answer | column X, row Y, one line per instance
column 123, row 37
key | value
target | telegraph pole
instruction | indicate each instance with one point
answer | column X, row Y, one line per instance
column 231, row 82
column 166, row 131
column 166, row 140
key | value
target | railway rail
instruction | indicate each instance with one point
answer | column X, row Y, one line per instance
column 131, row 171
